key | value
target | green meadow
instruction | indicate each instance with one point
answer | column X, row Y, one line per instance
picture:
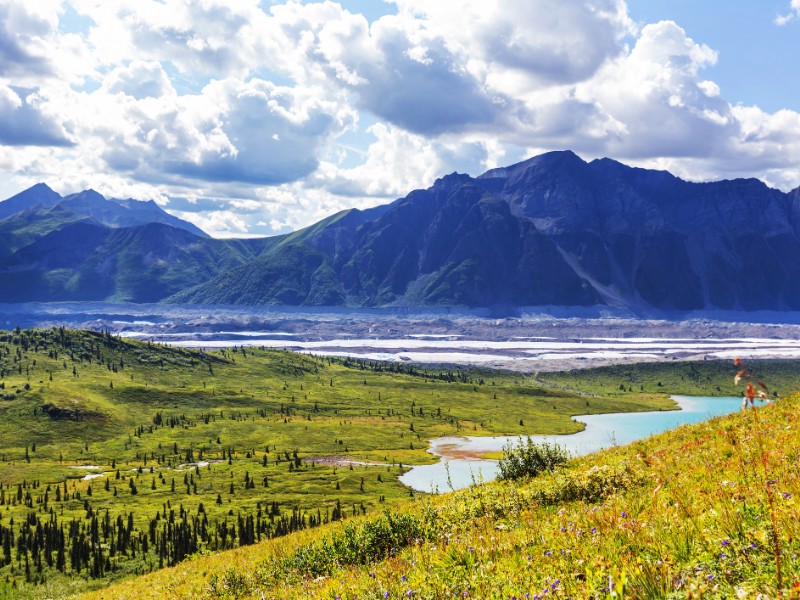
column 120, row 457
column 704, row 511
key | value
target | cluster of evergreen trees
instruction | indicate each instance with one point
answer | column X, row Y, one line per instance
column 99, row 543
column 448, row 375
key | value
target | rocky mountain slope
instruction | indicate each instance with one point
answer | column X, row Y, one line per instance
column 553, row 230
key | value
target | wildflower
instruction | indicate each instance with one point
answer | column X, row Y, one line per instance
column 409, row 593
column 385, row 594
column 594, row 529
column 403, row 578
column 709, row 577
column 624, row 515
column 548, row 553
column 787, row 496
column 725, row 542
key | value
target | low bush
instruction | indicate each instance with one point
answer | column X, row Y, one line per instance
column 529, row 459
column 358, row 544
column 592, row 485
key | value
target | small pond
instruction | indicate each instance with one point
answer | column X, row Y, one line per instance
column 460, row 455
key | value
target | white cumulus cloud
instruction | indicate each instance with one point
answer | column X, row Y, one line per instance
column 794, row 13
column 252, row 117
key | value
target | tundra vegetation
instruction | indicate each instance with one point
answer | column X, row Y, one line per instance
column 702, row 511
column 119, row 457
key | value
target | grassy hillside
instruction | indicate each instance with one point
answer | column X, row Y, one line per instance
column 710, row 377
column 120, row 457
column 704, row 511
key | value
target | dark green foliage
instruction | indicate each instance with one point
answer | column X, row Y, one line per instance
column 529, row 459
column 358, row 544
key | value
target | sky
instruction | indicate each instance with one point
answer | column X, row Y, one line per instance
column 251, row 118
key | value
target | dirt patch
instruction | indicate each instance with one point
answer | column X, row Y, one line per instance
column 340, row 461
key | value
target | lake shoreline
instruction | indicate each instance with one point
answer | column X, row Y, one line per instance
column 461, row 458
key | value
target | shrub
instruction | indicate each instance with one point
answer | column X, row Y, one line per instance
column 528, row 459
column 592, row 485
column 358, row 544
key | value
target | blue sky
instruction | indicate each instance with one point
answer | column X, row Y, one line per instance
column 757, row 60
column 254, row 117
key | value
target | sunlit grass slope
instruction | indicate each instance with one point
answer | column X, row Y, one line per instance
column 704, row 511
column 120, row 457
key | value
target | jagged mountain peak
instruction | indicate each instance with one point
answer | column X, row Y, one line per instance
column 123, row 213
column 135, row 204
column 40, row 187
column 87, row 194
column 550, row 230
column 451, row 180
column 553, row 229
column 36, row 195
column 548, row 160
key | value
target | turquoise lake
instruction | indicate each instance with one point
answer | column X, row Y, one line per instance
column 602, row 431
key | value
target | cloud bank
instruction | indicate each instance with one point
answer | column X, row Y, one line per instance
column 250, row 120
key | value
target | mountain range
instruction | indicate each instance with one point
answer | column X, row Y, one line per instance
column 86, row 247
column 552, row 230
